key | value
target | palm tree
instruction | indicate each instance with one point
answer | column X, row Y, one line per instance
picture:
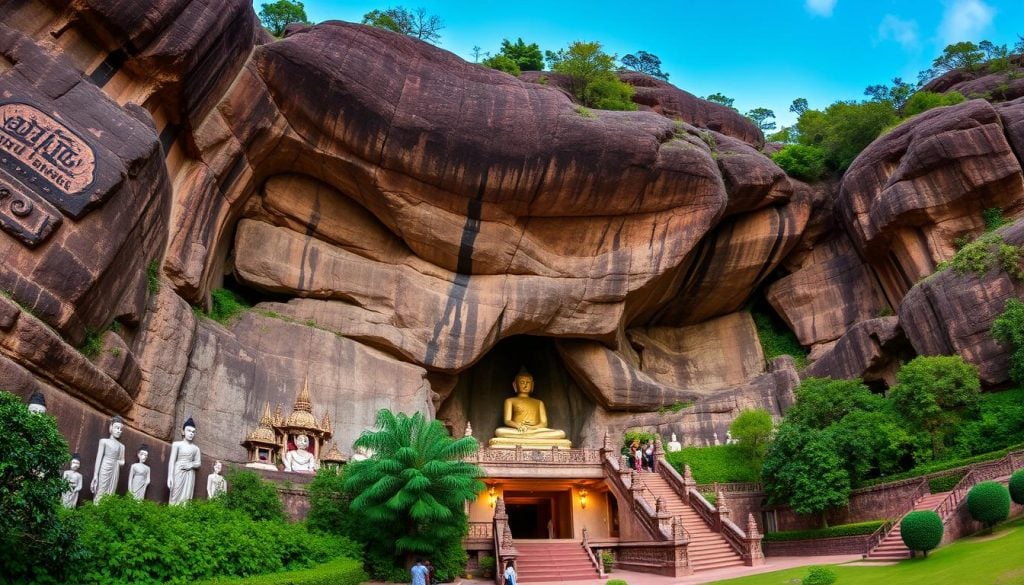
column 415, row 485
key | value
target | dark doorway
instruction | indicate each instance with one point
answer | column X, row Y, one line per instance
column 535, row 514
column 529, row 520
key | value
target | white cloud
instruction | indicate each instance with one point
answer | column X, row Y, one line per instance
column 965, row 20
column 820, row 7
column 903, row 32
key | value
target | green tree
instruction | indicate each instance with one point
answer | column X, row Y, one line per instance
column 591, row 76
column 1008, row 328
column 963, row 55
column 799, row 106
column 644, row 62
column 763, row 117
column 415, row 23
column 935, row 393
column 502, row 63
column 752, row 430
column 36, row 537
column 896, row 94
column 527, row 57
column 821, row 402
column 802, row 468
column 275, row 16
column 248, row 493
column 921, row 531
column 803, row 162
column 720, row 99
column 1016, row 487
column 989, row 503
column 923, row 101
column 844, row 129
column 417, row 484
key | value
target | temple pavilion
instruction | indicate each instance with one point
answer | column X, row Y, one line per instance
column 275, row 434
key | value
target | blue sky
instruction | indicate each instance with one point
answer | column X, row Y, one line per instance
column 763, row 54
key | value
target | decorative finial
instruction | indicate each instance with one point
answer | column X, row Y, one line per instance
column 265, row 420
column 752, row 531
column 469, row 429
column 303, row 401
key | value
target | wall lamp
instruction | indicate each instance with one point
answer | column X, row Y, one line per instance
column 492, row 496
column 583, row 498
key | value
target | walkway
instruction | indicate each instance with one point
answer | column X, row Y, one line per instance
column 633, row 578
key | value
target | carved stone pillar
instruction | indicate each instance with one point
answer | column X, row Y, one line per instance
column 634, row 486
column 664, row 516
column 688, row 483
column 755, row 556
column 680, row 554
column 722, row 512
column 659, row 452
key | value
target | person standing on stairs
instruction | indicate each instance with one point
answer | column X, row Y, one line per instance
column 509, row 576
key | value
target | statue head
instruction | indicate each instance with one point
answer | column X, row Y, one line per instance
column 116, row 426
column 217, row 467
column 674, row 438
column 302, row 442
column 523, row 382
column 143, row 453
column 188, row 430
column 37, row 403
column 75, row 462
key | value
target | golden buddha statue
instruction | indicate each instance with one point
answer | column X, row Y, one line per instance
column 526, row 420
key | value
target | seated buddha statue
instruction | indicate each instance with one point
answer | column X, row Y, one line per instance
column 526, row 420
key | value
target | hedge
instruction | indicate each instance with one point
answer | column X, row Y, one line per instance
column 719, row 463
column 938, row 466
column 1017, row 486
column 856, row 529
column 989, row 502
column 921, row 530
column 337, row 572
column 937, row 485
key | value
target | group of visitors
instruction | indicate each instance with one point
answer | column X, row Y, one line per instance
column 423, row 573
column 641, row 457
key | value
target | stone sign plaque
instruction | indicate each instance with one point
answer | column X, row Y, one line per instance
column 46, row 156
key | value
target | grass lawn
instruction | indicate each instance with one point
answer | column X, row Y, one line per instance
column 721, row 463
column 985, row 560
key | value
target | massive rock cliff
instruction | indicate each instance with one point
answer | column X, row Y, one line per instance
column 413, row 228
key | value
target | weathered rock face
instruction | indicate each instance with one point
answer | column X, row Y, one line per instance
column 413, row 228
column 999, row 86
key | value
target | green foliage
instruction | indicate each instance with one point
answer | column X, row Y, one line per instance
column 153, row 277
column 776, row 339
column 844, row 129
column 934, row 393
column 607, row 561
column 414, row 23
column 92, row 345
column 275, row 16
column 644, row 62
column 801, row 161
column 676, row 406
column 752, row 430
column 488, row 564
column 226, row 305
column 944, row 465
column 38, row 540
column 1017, row 486
column 526, row 57
column 963, row 55
column 1008, row 328
column 857, row 529
column 896, row 95
column 799, row 106
column 131, row 541
column 249, row 494
column 412, row 492
column 720, row 99
column 591, row 76
column 763, row 118
column 719, row 463
column 993, row 218
column 1001, row 423
column 641, row 436
column 803, row 468
column 921, row 530
column 822, row 402
column 819, row 576
column 989, row 502
column 923, row 101
column 585, row 112
column 337, row 572
column 502, row 63
column 617, row 582
column 987, row 252
column 944, row 483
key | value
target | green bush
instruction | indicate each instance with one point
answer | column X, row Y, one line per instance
column 248, row 493
column 488, row 564
column 1017, row 486
column 945, row 483
column 337, row 572
column 643, row 436
column 856, row 529
column 130, row 541
column 1008, row 328
column 153, row 277
column 989, row 503
column 38, row 539
column 923, row 101
column 921, row 530
column 226, row 305
column 609, row 94
column 607, row 561
column 987, row 252
column 617, row 582
column 801, row 161
column 938, row 466
column 719, row 463
column 820, row 576
column 776, row 339
column 502, row 63
column 752, row 430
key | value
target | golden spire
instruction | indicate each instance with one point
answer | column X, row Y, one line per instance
column 325, row 423
column 278, row 419
column 265, row 420
column 303, row 402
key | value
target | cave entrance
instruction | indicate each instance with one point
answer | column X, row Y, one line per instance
column 539, row 514
column 480, row 391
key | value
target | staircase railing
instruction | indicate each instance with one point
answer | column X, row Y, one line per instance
column 882, row 531
column 978, row 473
column 504, row 550
column 598, row 563
column 629, row 486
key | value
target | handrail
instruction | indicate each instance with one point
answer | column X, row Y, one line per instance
column 882, row 531
column 642, row 509
column 952, row 501
column 734, row 487
column 735, row 535
column 702, row 506
column 590, row 553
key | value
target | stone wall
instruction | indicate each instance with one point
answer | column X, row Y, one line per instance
column 844, row 545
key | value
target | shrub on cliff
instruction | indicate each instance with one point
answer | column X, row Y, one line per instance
column 38, row 540
column 591, row 74
column 1017, row 487
column 801, row 161
column 989, row 503
column 923, row 101
column 1008, row 328
column 502, row 63
column 921, row 531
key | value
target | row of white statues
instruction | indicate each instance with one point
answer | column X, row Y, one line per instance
column 184, row 460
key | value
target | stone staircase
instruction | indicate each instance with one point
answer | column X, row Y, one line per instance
column 892, row 548
column 707, row 549
column 552, row 560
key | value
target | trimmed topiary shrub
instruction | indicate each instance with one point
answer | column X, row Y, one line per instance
column 921, row 531
column 617, row 582
column 1017, row 487
column 820, row 576
column 989, row 503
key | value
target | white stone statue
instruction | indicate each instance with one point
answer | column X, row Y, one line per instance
column 716, row 441
column 300, row 460
column 728, row 438
column 109, row 459
column 185, row 459
column 215, row 482
column 37, row 403
column 674, row 444
column 70, row 498
column 138, row 475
